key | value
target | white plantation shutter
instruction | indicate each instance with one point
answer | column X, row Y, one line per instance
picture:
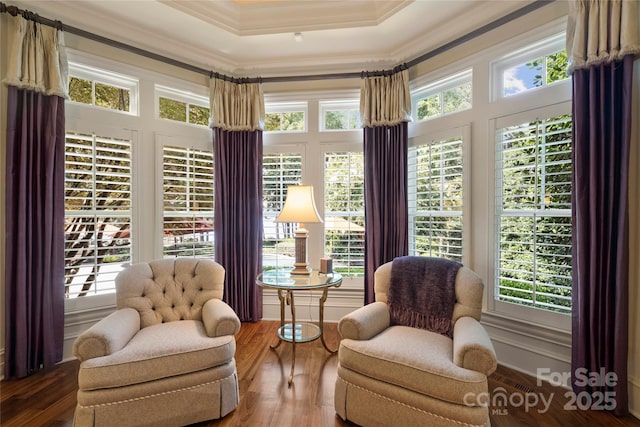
column 279, row 171
column 344, row 211
column 533, row 190
column 436, row 199
column 97, row 212
column 188, row 204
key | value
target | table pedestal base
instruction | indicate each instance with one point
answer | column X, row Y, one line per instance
column 299, row 332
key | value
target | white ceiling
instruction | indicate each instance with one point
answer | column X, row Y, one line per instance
column 256, row 37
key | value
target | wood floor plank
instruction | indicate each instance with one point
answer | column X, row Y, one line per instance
column 48, row 398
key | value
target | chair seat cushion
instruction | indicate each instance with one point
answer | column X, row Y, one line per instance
column 414, row 359
column 158, row 351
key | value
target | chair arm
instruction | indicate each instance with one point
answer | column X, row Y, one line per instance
column 219, row 319
column 472, row 348
column 365, row 322
column 107, row 336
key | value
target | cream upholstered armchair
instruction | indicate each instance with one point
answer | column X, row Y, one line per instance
column 404, row 376
column 165, row 357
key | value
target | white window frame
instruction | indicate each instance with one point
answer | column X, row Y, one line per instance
column 529, row 52
column 160, row 142
column 189, row 98
column 288, row 107
column 188, row 211
column 539, row 316
column 95, row 213
column 340, row 149
column 78, row 126
column 464, row 133
column 439, row 87
column 111, row 78
column 348, row 283
column 293, row 149
column 339, row 105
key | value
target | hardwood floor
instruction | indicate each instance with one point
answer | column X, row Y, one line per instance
column 48, row 398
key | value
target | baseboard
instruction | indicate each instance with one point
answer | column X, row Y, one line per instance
column 528, row 348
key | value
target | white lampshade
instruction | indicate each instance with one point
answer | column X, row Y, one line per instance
column 299, row 205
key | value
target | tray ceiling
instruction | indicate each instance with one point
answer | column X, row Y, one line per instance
column 256, row 37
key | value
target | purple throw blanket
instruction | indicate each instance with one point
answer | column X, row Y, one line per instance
column 422, row 293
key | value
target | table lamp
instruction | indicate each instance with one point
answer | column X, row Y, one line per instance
column 300, row 207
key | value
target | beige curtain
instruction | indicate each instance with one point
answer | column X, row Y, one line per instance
column 385, row 100
column 236, row 106
column 601, row 31
column 37, row 58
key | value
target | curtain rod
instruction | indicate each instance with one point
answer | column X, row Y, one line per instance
column 13, row 10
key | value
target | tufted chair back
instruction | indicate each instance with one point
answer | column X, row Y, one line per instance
column 169, row 289
column 469, row 291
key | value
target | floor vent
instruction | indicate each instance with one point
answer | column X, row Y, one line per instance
column 523, row 388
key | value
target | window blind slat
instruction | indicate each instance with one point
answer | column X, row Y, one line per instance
column 533, row 171
column 98, row 183
column 344, row 211
column 188, row 202
column 436, row 199
column 280, row 170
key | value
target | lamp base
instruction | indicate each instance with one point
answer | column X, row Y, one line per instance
column 301, row 270
column 301, row 266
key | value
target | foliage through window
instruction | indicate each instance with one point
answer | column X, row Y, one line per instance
column 97, row 212
column 533, row 172
column 444, row 96
column 436, row 199
column 344, row 211
column 279, row 171
column 188, row 202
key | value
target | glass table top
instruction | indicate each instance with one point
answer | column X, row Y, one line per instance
column 283, row 279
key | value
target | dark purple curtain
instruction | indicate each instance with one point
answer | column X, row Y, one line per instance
column 34, row 274
column 385, row 194
column 238, row 217
column 601, row 140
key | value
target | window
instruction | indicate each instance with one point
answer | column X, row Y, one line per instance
column 344, row 211
column 445, row 96
column 101, row 88
column 187, row 189
column 182, row 106
column 533, row 188
column 286, row 117
column 534, row 66
column 279, row 171
column 339, row 115
column 436, row 199
column 97, row 213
